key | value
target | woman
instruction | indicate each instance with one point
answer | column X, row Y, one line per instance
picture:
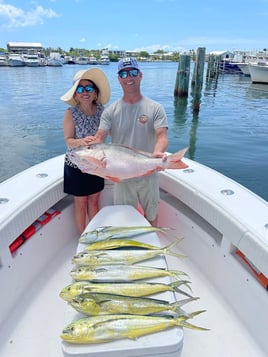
column 90, row 91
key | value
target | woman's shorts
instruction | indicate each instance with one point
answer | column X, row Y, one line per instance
column 78, row 183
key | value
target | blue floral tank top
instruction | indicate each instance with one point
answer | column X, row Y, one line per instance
column 84, row 125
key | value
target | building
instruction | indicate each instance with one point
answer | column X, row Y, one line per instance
column 24, row 47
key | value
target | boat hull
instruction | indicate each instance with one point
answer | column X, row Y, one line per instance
column 258, row 73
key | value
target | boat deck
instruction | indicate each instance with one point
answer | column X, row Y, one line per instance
column 38, row 317
column 40, row 314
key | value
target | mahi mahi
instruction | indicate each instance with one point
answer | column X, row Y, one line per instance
column 122, row 256
column 106, row 328
column 121, row 273
column 119, row 243
column 111, row 232
column 137, row 289
column 103, row 304
column 117, row 162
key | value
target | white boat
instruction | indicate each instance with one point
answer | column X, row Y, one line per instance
column 104, row 59
column 258, row 72
column 68, row 60
column 243, row 58
column 92, row 60
column 54, row 62
column 225, row 238
column 15, row 60
column 31, row 60
column 81, row 60
column 3, row 59
column 243, row 68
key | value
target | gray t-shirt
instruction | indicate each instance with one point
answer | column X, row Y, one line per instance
column 134, row 125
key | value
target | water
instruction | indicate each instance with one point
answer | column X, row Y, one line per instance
column 229, row 133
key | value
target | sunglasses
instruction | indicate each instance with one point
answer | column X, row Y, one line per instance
column 131, row 73
column 81, row 89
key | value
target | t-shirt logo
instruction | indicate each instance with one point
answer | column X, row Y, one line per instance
column 143, row 119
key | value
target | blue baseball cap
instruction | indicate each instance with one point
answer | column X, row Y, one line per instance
column 128, row 62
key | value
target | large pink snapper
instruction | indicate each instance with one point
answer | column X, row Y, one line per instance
column 118, row 162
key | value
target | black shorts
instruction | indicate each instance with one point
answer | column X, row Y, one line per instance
column 78, row 183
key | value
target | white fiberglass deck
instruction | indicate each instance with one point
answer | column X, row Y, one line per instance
column 33, row 327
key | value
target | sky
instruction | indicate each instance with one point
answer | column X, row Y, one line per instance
column 140, row 25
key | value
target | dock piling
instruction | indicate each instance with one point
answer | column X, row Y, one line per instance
column 183, row 76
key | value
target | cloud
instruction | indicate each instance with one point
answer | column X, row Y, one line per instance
column 16, row 17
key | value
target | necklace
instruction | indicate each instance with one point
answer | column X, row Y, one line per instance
column 89, row 111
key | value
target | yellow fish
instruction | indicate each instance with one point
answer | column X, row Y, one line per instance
column 103, row 304
column 137, row 289
column 119, row 243
column 121, row 273
column 112, row 232
column 105, row 328
column 121, row 256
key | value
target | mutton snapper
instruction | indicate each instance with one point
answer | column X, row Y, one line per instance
column 121, row 273
column 117, row 162
column 136, row 289
column 106, row 328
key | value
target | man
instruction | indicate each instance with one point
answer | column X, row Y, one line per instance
column 141, row 123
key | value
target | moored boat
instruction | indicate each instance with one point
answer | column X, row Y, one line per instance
column 227, row 262
column 31, row 60
column 54, row 62
column 81, row 60
column 92, row 60
column 104, row 59
column 258, row 72
column 15, row 60
column 3, row 59
column 227, row 65
column 243, row 68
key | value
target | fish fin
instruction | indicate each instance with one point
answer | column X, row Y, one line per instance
column 177, row 305
column 149, row 172
column 97, row 163
column 178, row 283
column 181, row 320
column 177, row 273
column 174, row 160
column 186, row 301
column 114, row 179
column 193, row 327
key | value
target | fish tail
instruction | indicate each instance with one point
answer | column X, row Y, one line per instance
column 181, row 320
column 174, row 160
column 176, row 273
column 185, row 301
column 176, row 306
column 170, row 246
column 193, row 327
column 175, row 286
column 163, row 229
